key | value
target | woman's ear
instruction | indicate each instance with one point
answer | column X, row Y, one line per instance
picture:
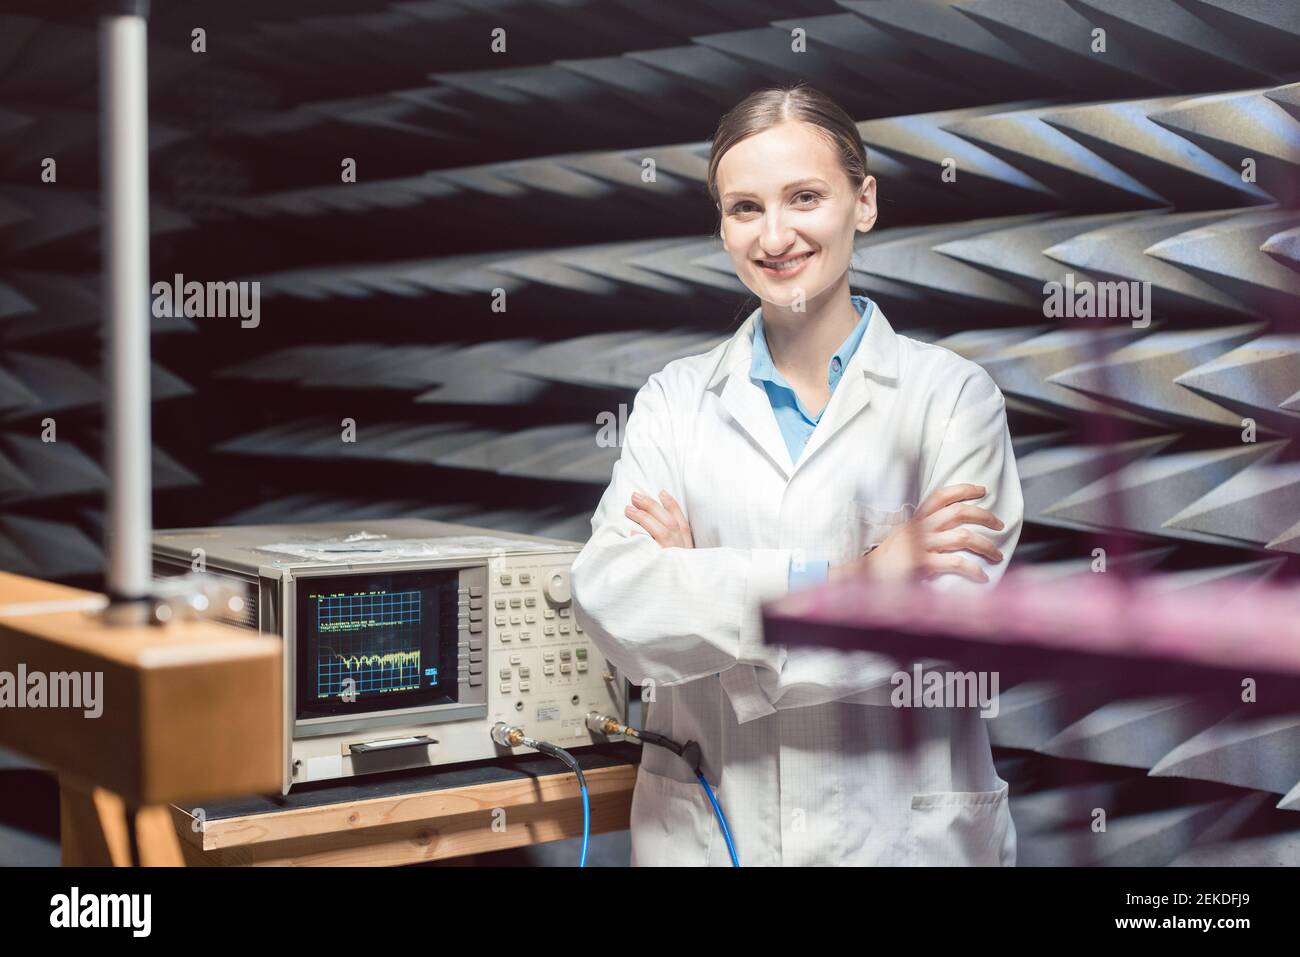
column 867, row 205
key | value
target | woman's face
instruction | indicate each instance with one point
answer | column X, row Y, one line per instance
column 789, row 213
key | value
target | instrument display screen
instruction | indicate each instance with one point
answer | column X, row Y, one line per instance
column 376, row 642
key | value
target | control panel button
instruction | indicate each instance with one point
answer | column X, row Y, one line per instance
column 506, row 579
column 580, row 653
column 524, row 686
column 548, row 669
column 557, row 586
column 525, row 578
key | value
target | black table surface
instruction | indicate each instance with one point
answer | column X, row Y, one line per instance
column 397, row 783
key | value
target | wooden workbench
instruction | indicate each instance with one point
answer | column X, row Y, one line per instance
column 415, row 817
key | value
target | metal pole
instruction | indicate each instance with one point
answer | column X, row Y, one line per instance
column 124, row 185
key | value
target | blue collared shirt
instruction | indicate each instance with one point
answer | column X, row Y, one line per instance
column 794, row 419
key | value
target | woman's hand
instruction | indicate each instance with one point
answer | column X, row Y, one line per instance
column 927, row 544
column 664, row 521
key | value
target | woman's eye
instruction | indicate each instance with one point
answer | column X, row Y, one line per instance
column 805, row 197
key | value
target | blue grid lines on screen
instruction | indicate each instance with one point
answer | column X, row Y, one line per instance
column 372, row 638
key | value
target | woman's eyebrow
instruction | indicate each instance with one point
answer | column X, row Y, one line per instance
column 785, row 189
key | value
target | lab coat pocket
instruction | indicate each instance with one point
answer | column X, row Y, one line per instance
column 866, row 526
column 671, row 822
column 962, row 829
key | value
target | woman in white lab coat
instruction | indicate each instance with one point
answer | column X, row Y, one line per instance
column 904, row 468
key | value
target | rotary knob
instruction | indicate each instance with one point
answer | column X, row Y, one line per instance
column 557, row 586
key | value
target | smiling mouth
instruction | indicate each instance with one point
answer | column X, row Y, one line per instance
column 784, row 265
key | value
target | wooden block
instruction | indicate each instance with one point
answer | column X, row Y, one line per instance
column 190, row 712
column 20, row 590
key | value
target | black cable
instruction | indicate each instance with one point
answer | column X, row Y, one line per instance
column 557, row 752
column 690, row 752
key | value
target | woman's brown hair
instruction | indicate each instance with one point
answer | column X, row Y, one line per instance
column 764, row 109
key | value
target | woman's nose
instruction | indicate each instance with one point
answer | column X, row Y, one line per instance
column 777, row 235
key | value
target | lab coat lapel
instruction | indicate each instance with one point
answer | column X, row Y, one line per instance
column 746, row 401
column 849, row 398
column 749, row 406
column 873, row 366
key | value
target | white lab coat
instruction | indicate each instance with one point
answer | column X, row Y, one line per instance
column 809, row 761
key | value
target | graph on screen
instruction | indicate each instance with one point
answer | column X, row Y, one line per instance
column 369, row 643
